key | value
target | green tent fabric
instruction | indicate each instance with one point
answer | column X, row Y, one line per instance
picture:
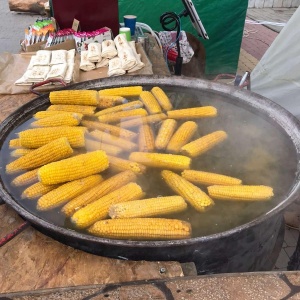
column 223, row 20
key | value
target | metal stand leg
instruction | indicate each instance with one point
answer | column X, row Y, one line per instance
column 294, row 263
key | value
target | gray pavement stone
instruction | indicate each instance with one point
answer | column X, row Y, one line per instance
column 12, row 26
column 276, row 15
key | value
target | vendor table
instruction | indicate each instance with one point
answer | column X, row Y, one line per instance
column 33, row 261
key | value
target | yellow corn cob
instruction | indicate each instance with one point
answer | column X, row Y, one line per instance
column 81, row 109
column 98, row 191
column 143, row 120
column 165, row 133
column 206, row 178
column 79, row 166
column 123, row 107
column 113, row 140
column 161, row 160
column 126, row 91
column 92, row 145
column 37, row 190
column 146, row 138
column 20, row 152
column 67, row 192
column 114, row 130
column 191, row 193
column 49, row 113
column 68, row 119
column 204, row 143
column 55, row 150
column 162, row 98
column 150, row 102
column 142, row 229
column 241, row 192
column 74, row 97
column 150, row 207
column 110, row 101
column 118, row 116
column 119, row 164
column 26, row 178
column 194, row 112
column 37, row 137
column 98, row 209
column 182, row 136
column 15, row 143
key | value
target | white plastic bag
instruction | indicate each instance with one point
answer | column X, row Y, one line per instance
column 277, row 75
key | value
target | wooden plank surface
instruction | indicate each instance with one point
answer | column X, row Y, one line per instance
column 9, row 103
column 32, row 260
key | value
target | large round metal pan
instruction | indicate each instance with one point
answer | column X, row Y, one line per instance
column 246, row 247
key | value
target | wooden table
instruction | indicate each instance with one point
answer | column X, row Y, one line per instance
column 33, row 261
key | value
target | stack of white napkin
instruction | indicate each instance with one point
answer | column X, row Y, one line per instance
column 70, row 66
column 115, row 67
column 97, row 55
column 58, row 57
column 42, row 58
column 139, row 64
column 109, row 49
column 119, row 55
column 85, row 64
column 47, row 64
column 57, row 71
column 94, row 52
column 130, row 60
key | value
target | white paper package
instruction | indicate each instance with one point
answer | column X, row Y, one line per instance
column 103, row 63
column 139, row 65
column 94, row 52
column 121, row 42
column 58, row 57
column 115, row 67
column 127, row 58
column 42, row 58
column 109, row 49
column 85, row 64
column 38, row 73
column 57, row 71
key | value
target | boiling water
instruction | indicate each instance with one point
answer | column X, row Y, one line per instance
column 256, row 151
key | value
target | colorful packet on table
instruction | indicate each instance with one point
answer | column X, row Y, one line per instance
column 38, row 31
column 59, row 37
column 82, row 39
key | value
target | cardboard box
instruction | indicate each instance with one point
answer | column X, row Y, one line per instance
column 66, row 45
column 33, row 48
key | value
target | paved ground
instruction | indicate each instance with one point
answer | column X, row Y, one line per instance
column 258, row 38
column 276, row 15
column 12, row 27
